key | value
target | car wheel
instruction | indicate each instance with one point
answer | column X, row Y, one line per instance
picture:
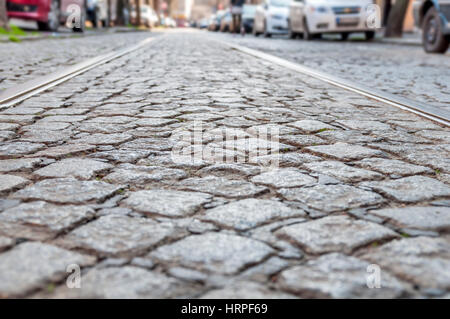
column 370, row 35
column 266, row 33
column 344, row 36
column 52, row 22
column 433, row 39
column 291, row 33
column 306, row 34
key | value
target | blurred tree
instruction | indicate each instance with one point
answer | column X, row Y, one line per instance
column 3, row 15
column 120, row 19
column 394, row 27
column 138, row 13
column 108, row 10
column 386, row 9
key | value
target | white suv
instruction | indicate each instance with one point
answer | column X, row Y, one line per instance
column 311, row 18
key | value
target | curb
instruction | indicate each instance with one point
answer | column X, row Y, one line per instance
column 413, row 42
column 70, row 35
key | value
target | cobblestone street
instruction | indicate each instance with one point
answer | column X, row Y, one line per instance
column 101, row 172
column 404, row 70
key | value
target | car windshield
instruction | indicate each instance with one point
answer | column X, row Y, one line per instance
column 280, row 3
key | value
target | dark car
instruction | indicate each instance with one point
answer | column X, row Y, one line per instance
column 248, row 17
column 433, row 17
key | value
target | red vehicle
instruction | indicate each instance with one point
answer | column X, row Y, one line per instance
column 49, row 14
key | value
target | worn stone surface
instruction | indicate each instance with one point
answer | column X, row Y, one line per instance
column 118, row 235
column 388, row 166
column 65, row 150
column 5, row 243
column 167, row 202
column 40, row 220
column 423, row 261
column 330, row 198
column 73, row 167
column 11, row 182
column 222, row 187
column 411, row 189
column 19, row 164
column 142, row 175
column 249, row 213
column 344, row 151
column 311, row 126
column 19, row 148
column 341, row 171
column 214, row 252
column 285, row 177
column 335, row 234
column 67, row 190
column 426, row 218
column 31, row 265
column 338, row 276
column 126, row 283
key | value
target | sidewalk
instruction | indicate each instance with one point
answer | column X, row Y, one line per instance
column 189, row 170
column 407, row 39
column 29, row 32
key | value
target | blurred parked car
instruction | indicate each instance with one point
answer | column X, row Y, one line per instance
column 216, row 19
column 49, row 14
column 226, row 24
column 312, row 18
column 433, row 17
column 167, row 22
column 271, row 17
column 97, row 12
column 148, row 16
column 203, row 23
column 248, row 17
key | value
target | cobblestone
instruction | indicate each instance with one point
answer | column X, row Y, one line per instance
column 67, row 190
column 249, row 213
column 11, row 182
column 40, row 220
column 30, row 266
column 344, row 151
column 341, row 171
column 330, row 198
column 127, row 282
column 118, row 235
column 214, row 252
column 285, row 177
column 335, row 234
column 411, row 189
column 366, row 63
column 423, row 261
column 90, row 173
column 166, row 202
column 420, row 217
column 222, row 187
column 73, row 167
column 337, row 276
